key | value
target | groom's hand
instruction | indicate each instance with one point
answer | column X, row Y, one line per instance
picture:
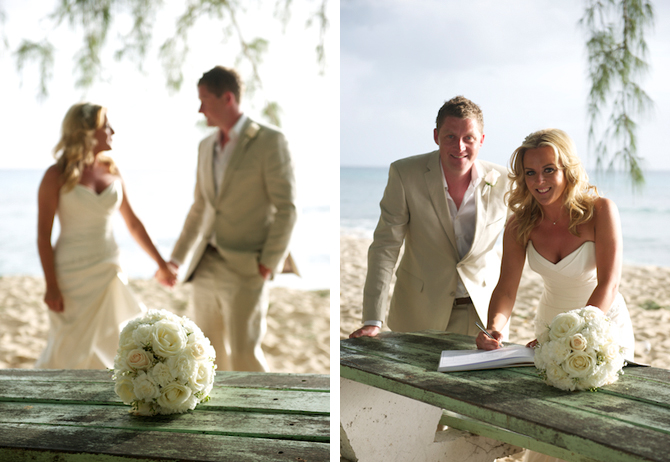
column 167, row 276
column 365, row 331
column 264, row 271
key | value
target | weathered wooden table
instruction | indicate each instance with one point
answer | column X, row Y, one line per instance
column 49, row 415
column 626, row 421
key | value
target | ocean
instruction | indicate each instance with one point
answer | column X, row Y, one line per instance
column 161, row 200
column 645, row 213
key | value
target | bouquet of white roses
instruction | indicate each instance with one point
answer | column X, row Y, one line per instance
column 580, row 351
column 164, row 364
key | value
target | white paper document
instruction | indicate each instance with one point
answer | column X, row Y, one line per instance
column 472, row 360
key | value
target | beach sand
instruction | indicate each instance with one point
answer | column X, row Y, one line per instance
column 297, row 339
column 645, row 289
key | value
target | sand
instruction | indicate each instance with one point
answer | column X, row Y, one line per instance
column 645, row 289
column 298, row 337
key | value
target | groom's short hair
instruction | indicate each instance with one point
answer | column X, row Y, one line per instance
column 222, row 79
column 461, row 108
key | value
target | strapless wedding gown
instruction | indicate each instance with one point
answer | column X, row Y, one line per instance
column 568, row 285
column 95, row 290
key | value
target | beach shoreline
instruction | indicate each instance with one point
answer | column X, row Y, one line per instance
column 297, row 339
column 644, row 288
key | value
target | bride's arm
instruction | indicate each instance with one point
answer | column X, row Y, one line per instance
column 609, row 253
column 164, row 274
column 504, row 295
column 47, row 203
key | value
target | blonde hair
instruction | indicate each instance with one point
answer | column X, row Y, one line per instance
column 74, row 150
column 579, row 195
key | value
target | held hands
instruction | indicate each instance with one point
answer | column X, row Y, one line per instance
column 365, row 331
column 54, row 300
column 167, row 274
column 486, row 343
column 264, row 271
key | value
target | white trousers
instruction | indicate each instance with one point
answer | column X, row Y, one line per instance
column 231, row 310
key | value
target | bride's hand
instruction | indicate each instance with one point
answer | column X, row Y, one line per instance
column 54, row 299
column 484, row 342
column 532, row 344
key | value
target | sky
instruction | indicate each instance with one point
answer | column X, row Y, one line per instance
column 523, row 62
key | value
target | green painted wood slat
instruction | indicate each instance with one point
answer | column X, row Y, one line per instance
column 515, row 399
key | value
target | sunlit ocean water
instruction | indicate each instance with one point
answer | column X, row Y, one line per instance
column 645, row 213
column 161, row 200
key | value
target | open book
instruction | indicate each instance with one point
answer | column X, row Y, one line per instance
column 472, row 360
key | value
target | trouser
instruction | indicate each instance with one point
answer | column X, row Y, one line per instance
column 231, row 310
column 463, row 318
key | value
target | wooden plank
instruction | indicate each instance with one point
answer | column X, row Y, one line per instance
column 316, row 382
column 574, row 429
column 43, row 443
column 246, row 424
column 640, row 383
column 280, row 400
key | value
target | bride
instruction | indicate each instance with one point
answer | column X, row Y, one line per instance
column 86, row 290
column 571, row 237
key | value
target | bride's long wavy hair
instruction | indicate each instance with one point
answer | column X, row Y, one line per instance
column 74, row 150
column 579, row 196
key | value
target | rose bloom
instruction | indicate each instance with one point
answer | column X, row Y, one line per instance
column 176, row 397
column 161, row 374
column 124, row 388
column 168, row 338
column 139, row 359
column 565, row 325
column 579, row 365
column 578, row 342
column 203, row 377
column 145, row 388
column 558, row 378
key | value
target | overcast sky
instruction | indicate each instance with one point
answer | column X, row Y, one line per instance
column 522, row 61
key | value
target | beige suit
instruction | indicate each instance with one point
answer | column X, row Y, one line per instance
column 252, row 218
column 414, row 210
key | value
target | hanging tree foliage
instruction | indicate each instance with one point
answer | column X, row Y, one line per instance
column 95, row 18
column 616, row 59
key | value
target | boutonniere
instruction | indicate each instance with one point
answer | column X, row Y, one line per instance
column 252, row 130
column 490, row 180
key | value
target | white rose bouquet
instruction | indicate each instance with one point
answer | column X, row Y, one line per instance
column 164, row 364
column 580, row 351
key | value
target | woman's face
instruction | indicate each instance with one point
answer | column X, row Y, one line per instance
column 103, row 136
column 545, row 180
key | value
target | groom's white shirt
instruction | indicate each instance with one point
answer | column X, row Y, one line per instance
column 415, row 212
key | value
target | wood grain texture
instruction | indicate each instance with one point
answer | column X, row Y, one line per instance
column 626, row 421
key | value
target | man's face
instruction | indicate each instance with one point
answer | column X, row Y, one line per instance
column 459, row 141
column 212, row 106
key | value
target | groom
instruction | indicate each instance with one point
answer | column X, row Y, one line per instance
column 239, row 225
column 448, row 209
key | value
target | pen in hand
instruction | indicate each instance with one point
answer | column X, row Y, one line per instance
column 480, row 327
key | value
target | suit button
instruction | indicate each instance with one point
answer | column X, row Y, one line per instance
column 453, row 294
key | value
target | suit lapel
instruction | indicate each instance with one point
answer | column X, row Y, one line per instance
column 482, row 207
column 438, row 197
column 247, row 133
column 208, row 166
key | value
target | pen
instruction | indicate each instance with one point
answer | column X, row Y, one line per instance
column 480, row 327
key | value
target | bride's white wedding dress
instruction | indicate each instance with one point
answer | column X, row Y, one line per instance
column 568, row 285
column 96, row 296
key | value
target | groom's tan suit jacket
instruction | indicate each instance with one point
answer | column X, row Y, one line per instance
column 254, row 212
column 414, row 210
